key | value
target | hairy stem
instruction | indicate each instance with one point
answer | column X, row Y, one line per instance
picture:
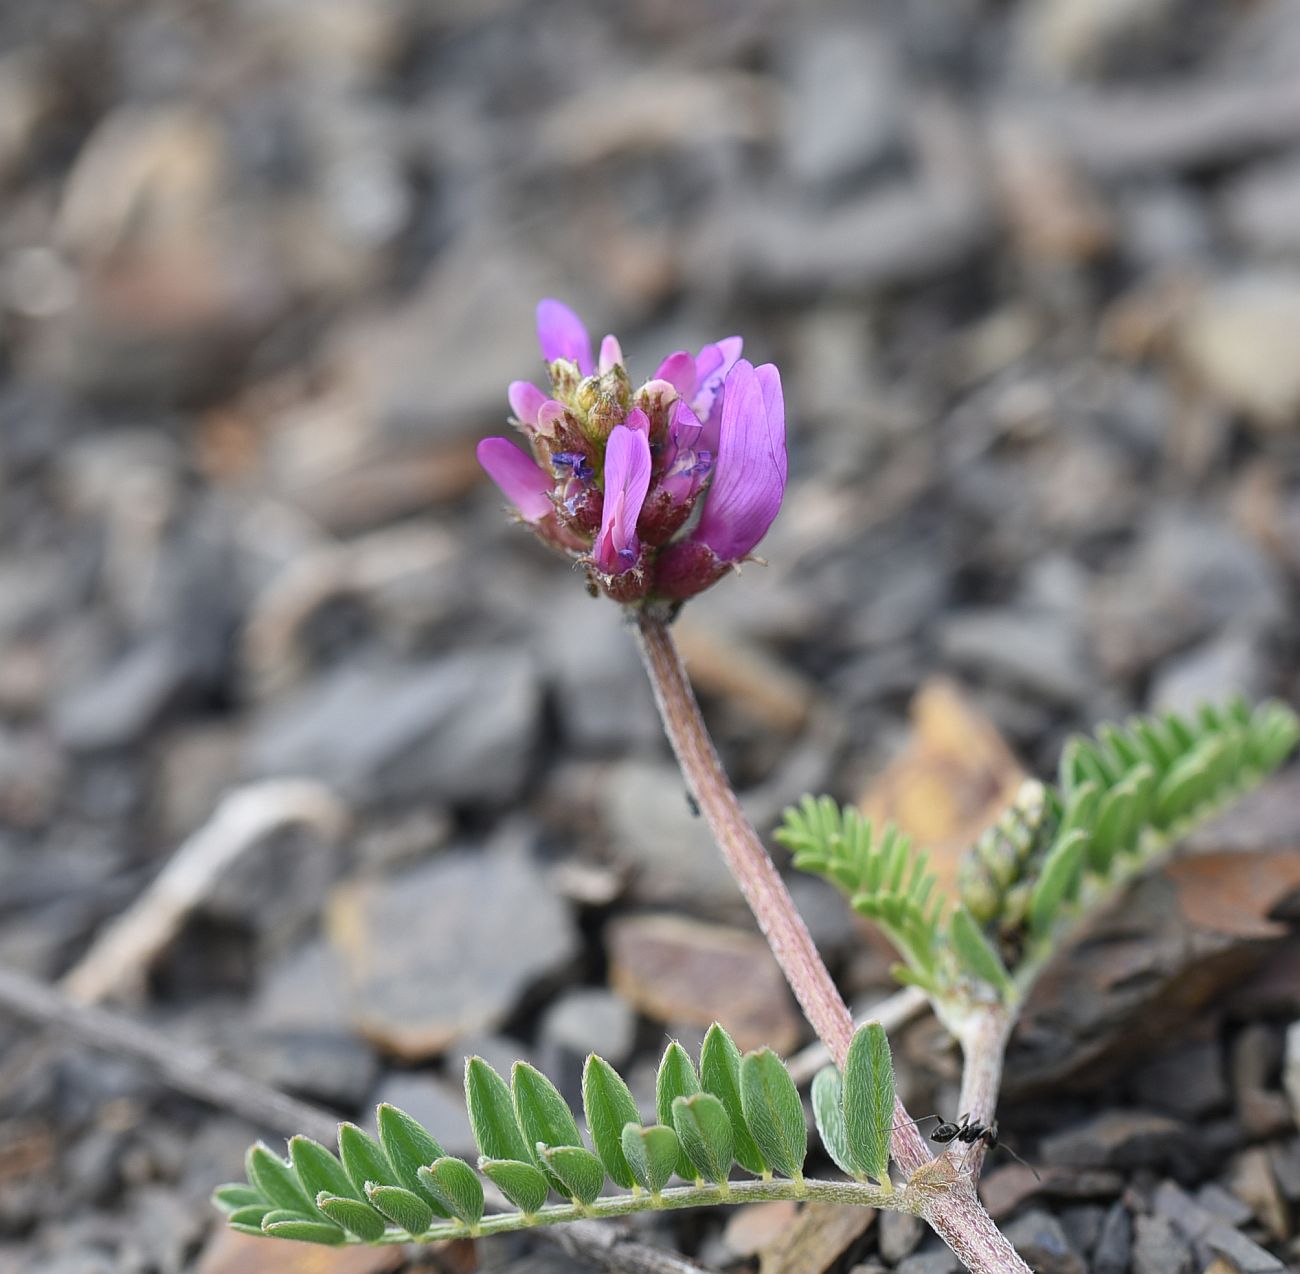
column 843, row 1192
column 951, row 1205
column 983, row 1040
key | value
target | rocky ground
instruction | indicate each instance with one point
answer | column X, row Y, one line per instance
column 1032, row 274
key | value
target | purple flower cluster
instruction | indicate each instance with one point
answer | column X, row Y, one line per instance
column 658, row 491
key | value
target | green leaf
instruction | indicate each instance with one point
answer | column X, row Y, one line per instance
column 704, row 1130
column 720, row 1075
column 409, row 1147
column 1057, row 880
column 520, row 1182
column 249, row 1215
column 1080, row 809
column 542, row 1114
column 354, row 1216
column 276, row 1182
column 319, row 1170
column 829, row 1116
column 774, row 1112
column 975, row 953
column 405, row 1208
column 676, row 1078
column 456, row 1185
column 364, row 1159
column 580, row 1171
column 492, row 1113
column 609, row 1105
column 868, row 1095
column 295, row 1225
column 652, row 1154
column 235, row 1195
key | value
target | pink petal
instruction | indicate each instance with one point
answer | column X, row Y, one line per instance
column 749, row 479
column 611, row 354
column 563, row 335
column 627, row 479
column 520, row 480
column 679, row 371
column 712, row 366
column 525, row 399
column 637, row 420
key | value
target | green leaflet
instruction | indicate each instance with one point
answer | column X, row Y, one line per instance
column 652, row 1154
column 250, row 1215
column 235, row 1195
column 543, row 1115
column 492, row 1113
column 296, row 1225
column 976, row 954
column 408, row 1147
column 829, row 1116
column 609, row 1106
column 354, row 1216
column 1057, row 880
column 580, row 1171
column 720, row 1075
column 457, row 1187
column 704, row 1129
column 364, row 1158
column 520, row 1182
column 276, row 1182
column 774, row 1112
column 676, row 1078
column 406, row 1209
column 868, row 1101
column 319, row 1170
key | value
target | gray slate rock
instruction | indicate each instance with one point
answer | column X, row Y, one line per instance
column 461, row 729
column 1158, row 1248
column 585, row 1020
column 437, row 1104
column 1040, row 1239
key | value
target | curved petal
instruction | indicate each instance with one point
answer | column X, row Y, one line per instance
column 562, row 335
column 679, row 371
column 638, row 421
column 611, row 355
column 712, row 366
column 749, row 479
column 520, row 480
column 525, row 398
column 627, row 479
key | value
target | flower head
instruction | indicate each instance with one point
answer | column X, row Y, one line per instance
column 616, row 474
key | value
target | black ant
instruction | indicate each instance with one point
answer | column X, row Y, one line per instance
column 970, row 1133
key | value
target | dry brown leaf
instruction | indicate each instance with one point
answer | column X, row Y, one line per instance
column 1234, row 893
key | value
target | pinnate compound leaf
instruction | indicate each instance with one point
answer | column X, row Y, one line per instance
column 409, row 1147
column 609, row 1105
column 652, row 1154
column 405, row 1208
column 492, row 1113
column 276, row 1181
column 720, row 1075
column 828, row 1113
column 704, row 1129
column 305, row 1229
column 773, row 1111
column 520, row 1182
column 456, row 1185
column 354, row 1216
column 580, row 1171
column 676, row 1078
column 364, row 1159
column 868, row 1101
column 975, row 952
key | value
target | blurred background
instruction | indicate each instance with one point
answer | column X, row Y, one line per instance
column 1031, row 272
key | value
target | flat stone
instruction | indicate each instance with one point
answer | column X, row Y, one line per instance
column 652, row 829
column 678, row 970
column 816, row 1239
column 755, row 1226
column 1245, row 1256
column 1117, row 1139
column 900, row 1233
column 1291, row 1070
column 1187, row 1081
column 1251, row 1180
column 427, row 961
column 1158, row 1248
column 326, row 1066
column 1034, row 652
column 1114, row 1243
column 460, row 729
column 228, row 1252
column 1214, row 672
column 1082, row 1225
column 936, row 1261
column 584, row 1020
column 1039, row 1238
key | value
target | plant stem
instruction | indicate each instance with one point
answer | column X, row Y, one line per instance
column 842, row 1192
column 983, row 1041
column 951, row 1207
